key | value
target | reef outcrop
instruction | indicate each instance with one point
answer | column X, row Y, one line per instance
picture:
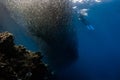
column 17, row 63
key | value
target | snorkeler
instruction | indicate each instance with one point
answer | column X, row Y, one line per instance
column 85, row 22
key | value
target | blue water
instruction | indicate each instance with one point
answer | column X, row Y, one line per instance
column 99, row 45
column 99, row 50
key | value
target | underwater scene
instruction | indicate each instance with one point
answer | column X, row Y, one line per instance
column 59, row 39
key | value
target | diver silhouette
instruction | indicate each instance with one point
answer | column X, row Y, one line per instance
column 85, row 22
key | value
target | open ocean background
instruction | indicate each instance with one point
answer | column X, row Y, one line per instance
column 99, row 49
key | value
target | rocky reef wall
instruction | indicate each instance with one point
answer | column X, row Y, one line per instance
column 18, row 63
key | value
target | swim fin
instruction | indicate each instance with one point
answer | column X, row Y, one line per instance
column 90, row 27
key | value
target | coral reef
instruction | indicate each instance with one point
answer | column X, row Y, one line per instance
column 17, row 63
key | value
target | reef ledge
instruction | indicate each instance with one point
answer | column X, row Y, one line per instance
column 18, row 63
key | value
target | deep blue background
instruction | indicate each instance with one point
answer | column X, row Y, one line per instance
column 99, row 50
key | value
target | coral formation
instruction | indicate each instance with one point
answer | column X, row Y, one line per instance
column 17, row 63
